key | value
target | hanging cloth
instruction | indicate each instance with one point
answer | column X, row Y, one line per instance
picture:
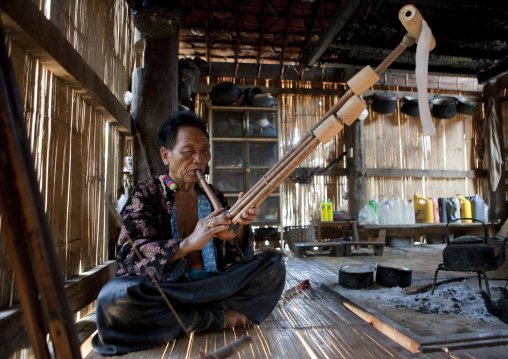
column 492, row 155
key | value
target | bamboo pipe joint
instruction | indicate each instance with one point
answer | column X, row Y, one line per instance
column 363, row 80
column 412, row 19
column 351, row 110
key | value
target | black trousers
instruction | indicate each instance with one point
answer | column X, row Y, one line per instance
column 132, row 315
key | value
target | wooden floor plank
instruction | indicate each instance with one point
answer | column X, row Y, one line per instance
column 315, row 326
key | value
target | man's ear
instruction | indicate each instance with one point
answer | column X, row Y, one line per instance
column 165, row 155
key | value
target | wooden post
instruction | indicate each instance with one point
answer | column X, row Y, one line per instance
column 159, row 92
column 357, row 184
column 38, row 275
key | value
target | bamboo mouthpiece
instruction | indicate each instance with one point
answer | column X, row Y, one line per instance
column 411, row 19
column 225, row 235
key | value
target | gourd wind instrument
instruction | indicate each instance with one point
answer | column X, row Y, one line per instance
column 344, row 112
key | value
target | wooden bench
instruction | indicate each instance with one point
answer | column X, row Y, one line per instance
column 336, row 248
column 378, row 246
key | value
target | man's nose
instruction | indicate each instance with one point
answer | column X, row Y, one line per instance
column 200, row 158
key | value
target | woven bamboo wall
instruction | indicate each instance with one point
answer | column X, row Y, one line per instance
column 78, row 156
column 101, row 32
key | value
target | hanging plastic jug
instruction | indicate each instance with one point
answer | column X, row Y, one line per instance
column 424, row 209
column 465, row 209
column 435, row 204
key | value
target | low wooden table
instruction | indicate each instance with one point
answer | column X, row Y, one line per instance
column 347, row 227
column 423, row 229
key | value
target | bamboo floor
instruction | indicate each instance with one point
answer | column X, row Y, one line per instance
column 314, row 324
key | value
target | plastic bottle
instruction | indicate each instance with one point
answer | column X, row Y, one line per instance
column 324, row 213
column 329, row 210
column 411, row 212
column 465, row 209
column 424, row 209
column 435, row 205
column 478, row 208
column 405, row 212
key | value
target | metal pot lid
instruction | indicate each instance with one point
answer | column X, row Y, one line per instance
column 443, row 100
column 466, row 240
column 385, row 96
column 356, row 269
column 391, row 266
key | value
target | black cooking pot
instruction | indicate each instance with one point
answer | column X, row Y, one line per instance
column 410, row 107
column 384, row 102
column 225, row 93
column 356, row 276
column 443, row 106
column 472, row 252
column 391, row 276
column 465, row 106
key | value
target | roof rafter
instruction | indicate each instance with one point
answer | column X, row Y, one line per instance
column 340, row 19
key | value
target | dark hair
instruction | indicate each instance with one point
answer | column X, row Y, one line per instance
column 166, row 136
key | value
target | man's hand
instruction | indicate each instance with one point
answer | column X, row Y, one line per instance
column 249, row 216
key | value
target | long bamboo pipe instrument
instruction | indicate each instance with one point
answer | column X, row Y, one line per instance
column 227, row 234
column 412, row 21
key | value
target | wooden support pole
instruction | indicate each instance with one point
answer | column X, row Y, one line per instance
column 27, row 229
column 357, row 183
column 159, row 90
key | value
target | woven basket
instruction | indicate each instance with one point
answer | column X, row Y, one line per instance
column 299, row 234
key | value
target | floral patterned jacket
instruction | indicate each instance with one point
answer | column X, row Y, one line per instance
column 147, row 220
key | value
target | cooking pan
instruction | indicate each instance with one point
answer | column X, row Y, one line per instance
column 356, row 276
column 392, row 276
column 466, row 106
column 410, row 106
column 384, row 102
column 443, row 106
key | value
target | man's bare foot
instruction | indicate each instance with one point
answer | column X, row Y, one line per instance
column 234, row 319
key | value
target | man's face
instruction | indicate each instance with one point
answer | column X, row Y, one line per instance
column 191, row 152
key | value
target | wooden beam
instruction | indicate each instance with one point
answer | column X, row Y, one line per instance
column 497, row 71
column 81, row 291
column 238, row 31
column 340, row 19
column 84, row 289
column 39, row 36
column 261, row 38
column 286, row 33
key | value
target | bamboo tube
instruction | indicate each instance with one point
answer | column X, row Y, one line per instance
column 412, row 19
column 225, row 235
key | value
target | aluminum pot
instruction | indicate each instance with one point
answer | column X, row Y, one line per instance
column 472, row 252
column 443, row 106
column 248, row 94
column 410, row 107
column 384, row 102
column 466, row 106
column 356, row 276
column 391, row 276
